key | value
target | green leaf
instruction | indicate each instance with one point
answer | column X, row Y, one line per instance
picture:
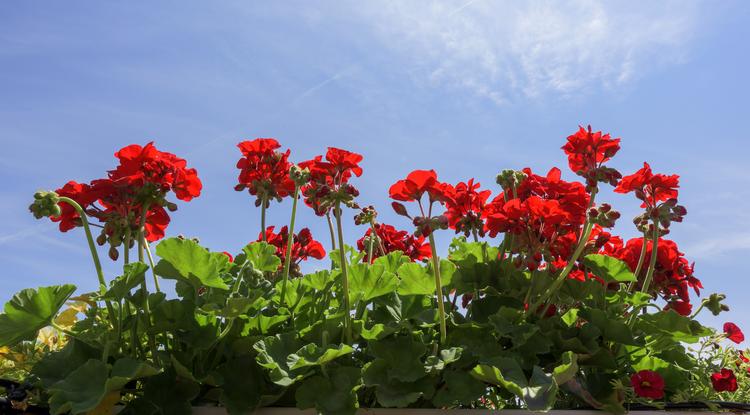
column 170, row 394
column 263, row 256
column 31, row 310
column 434, row 364
column 370, row 281
column 241, row 385
column 404, row 357
column 392, row 261
column 447, row 269
column 86, row 387
column 460, row 388
column 538, row 392
column 415, row 280
column 133, row 275
column 376, row 332
column 313, row 355
column 185, row 260
column 334, row 394
column 612, row 329
column 318, row 281
column 55, row 366
column 391, row 392
column 671, row 325
column 568, row 369
column 608, row 268
column 274, row 353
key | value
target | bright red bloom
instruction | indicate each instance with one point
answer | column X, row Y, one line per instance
column 650, row 188
column 303, row 247
column 264, row 172
column 390, row 239
column 466, row 208
column 141, row 166
column 343, row 162
column 82, row 194
column 683, row 308
column 724, row 381
column 648, row 384
column 415, row 185
column 673, row 274
column 733, row 333
column 329, row 180
column 157, row 220
column 588, row 150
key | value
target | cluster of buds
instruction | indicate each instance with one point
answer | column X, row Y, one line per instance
column 510, row 179
column 299, row 176
column 604, row 215
column 714, row 303
column 324, row 198
column 366, row 216
column 533, row 261
column 663, row 214
column 601, row 174
column 45, row 204
column 426, row 225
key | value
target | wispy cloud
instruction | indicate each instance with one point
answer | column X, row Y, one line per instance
column 720, row 246
column 502, row 50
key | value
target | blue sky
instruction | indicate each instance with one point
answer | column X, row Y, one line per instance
column 465, row 87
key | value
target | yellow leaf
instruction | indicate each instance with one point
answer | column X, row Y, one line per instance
column 106, row 405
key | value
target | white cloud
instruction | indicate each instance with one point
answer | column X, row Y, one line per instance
column 502, row 50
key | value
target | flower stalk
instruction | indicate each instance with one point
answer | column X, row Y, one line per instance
column 289, row 245
column 344, row 276
column 438, row 289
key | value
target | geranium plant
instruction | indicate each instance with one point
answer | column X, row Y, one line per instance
column 555, row 311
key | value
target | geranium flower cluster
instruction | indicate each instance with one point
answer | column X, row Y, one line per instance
column 303, row 246
column 390, row 239
column 133, row 195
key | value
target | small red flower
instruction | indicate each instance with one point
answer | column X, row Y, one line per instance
column 264, row 172
column 390, row 240
column 648, row 187
column 648, row 384
column 329, row 180
column 303, row 247
column 734, row 333
column 414, row 186
column 683, row 308
column 466, row 208
column 587, row 152
column 69, row 217
column 724, row 381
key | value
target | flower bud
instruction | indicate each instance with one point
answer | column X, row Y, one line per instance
column 113, row 253
column 400, row 209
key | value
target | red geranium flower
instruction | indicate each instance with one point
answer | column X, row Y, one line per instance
column 683, row 308
column 303, row 245
column 648, row 384
column 329, row 180
column 734, row 333
column 390, row 239
column 79, row 192
column 724, row 381
column 466, row 208
column 587, row 151
column 415, row 185
column 264, row 172
column 648, row 187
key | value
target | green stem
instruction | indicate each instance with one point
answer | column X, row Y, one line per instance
column 641, row 259
column 126, row 246
column 438, row 289
column 371, row 242
column 146, row 306
column 587, row 226
column 94, row 254
column 151, row 263
column 652, row 262
column 263, row 218
column 344, row 277
column 330, row 228
column 289, row 245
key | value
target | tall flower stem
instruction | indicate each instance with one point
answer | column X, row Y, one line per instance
column 263, row 202
column 94, row 254
column 344, row 276
column 289, row 245
column 641, row 259
column 438, row 289
column 586, row 232
column 146, row 306
column 371, row 242
column 330, row 228
column 652, row 261
column 151, row 263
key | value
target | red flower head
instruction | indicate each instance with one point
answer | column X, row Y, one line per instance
column 734, row 333
column 587, row 152
column 683, row 308
column 390, row 240
column 466, row 208
column 143, row 166
column 411, row 189
column 82, row 194
column 724, row 381
column 264, row 171
column 648, row 384
column 648, row 187
column 329, row 180
column 303, row 246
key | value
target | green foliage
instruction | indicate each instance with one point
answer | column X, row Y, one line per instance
column 229, row 339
